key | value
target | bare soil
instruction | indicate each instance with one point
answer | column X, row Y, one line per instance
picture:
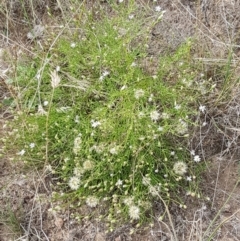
column 26, row 196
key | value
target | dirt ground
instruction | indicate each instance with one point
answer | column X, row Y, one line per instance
column 26, row 205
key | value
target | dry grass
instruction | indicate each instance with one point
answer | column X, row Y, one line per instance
column 214, row 26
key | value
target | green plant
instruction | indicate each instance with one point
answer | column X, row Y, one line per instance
column 11, row 222
column 115, row 135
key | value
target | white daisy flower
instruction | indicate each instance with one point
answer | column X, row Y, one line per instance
column 160, row 128
column 92, row 201
column 180, row 168
column 189, row 179
column 154, row 115
column 182, row 127
column 45, row 103
column 128, row 201
column 133, row 64
column 141, row 114
column 177, row 107
column 49, row 168
column 154, row 190
column 197, row 158
column 21, row 153
column 105, row 73
column 74, row 183
column 134, row 212
column 95, row 123
column 192, row 152
column 150, row 99
column 119, row 183
column 88, row 165
column 78, row 171
column 32, row 145
column 113, row 151
column 165, row 116
column 202, row 108
column 131, row 16
column 139, row 93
